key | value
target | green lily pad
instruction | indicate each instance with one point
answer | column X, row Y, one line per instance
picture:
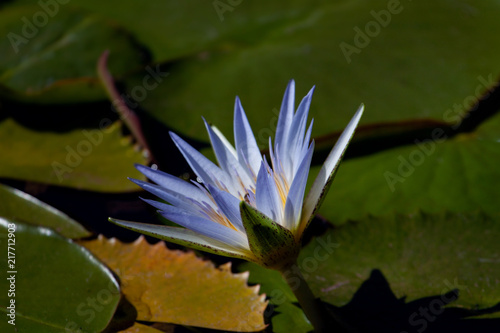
column 404, row 68
column 50, row 53
column 89, row 159
column 420, row 255
column 290, row 318
column 174, row 30
column 433, row 175
column 285, row 316
column 20, row 206
column 404, row 72
column 59, row 286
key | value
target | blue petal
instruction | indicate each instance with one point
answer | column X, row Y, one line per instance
column 296, row 137
column 206, row 227
column 172, row 183
column 186, row 237
column 202, row 166
column 286, row 114
column 274, row 155
column 161, row 206
column 229, row 205
column 156, row 204
column 294, row 201
column 267, row 196
column 307, row 138
column 246, row 146
column 227, row 160
column 168, row 195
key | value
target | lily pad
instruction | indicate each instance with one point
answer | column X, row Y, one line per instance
column 209, row 23
column 90, row 159
column 50, row 53
column 177, row 287
column 417, row 79
column 434, row 175
column 290, row 318
column 140, row 328
column 419, row 254
column 57, row 286
column 268, row 45
column 20, row 206
column 285, row 315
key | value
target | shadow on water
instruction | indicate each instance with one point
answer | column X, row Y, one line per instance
column 375, row 308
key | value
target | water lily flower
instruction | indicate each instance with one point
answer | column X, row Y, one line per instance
column 248, row 206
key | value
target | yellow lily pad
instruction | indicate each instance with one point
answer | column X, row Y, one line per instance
column 140, row 328
column 87, row 159
column 178, row 287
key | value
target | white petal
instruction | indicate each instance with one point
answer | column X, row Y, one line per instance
column 294, row 201
column 327, row 171
column 246, row 146
column 225, row 141
column 184, row 237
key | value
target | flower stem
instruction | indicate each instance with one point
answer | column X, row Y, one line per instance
column 320, row 318
column 128, row 116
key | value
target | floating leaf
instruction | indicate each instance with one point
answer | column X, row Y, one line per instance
column 208, row 24
column 140, row 328
column 50, row 53
column 432, row 175
column 90, row 159
column 409, row 82
column 59, row 286
column 290, row 318
column 268, row 45
column 420, row 255
column 463, row 248
column 20, row 206
column 177, row 287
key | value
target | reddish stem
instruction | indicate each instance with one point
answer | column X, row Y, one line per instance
column 127, row 115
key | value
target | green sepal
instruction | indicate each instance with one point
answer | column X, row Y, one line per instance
column 273, row 245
